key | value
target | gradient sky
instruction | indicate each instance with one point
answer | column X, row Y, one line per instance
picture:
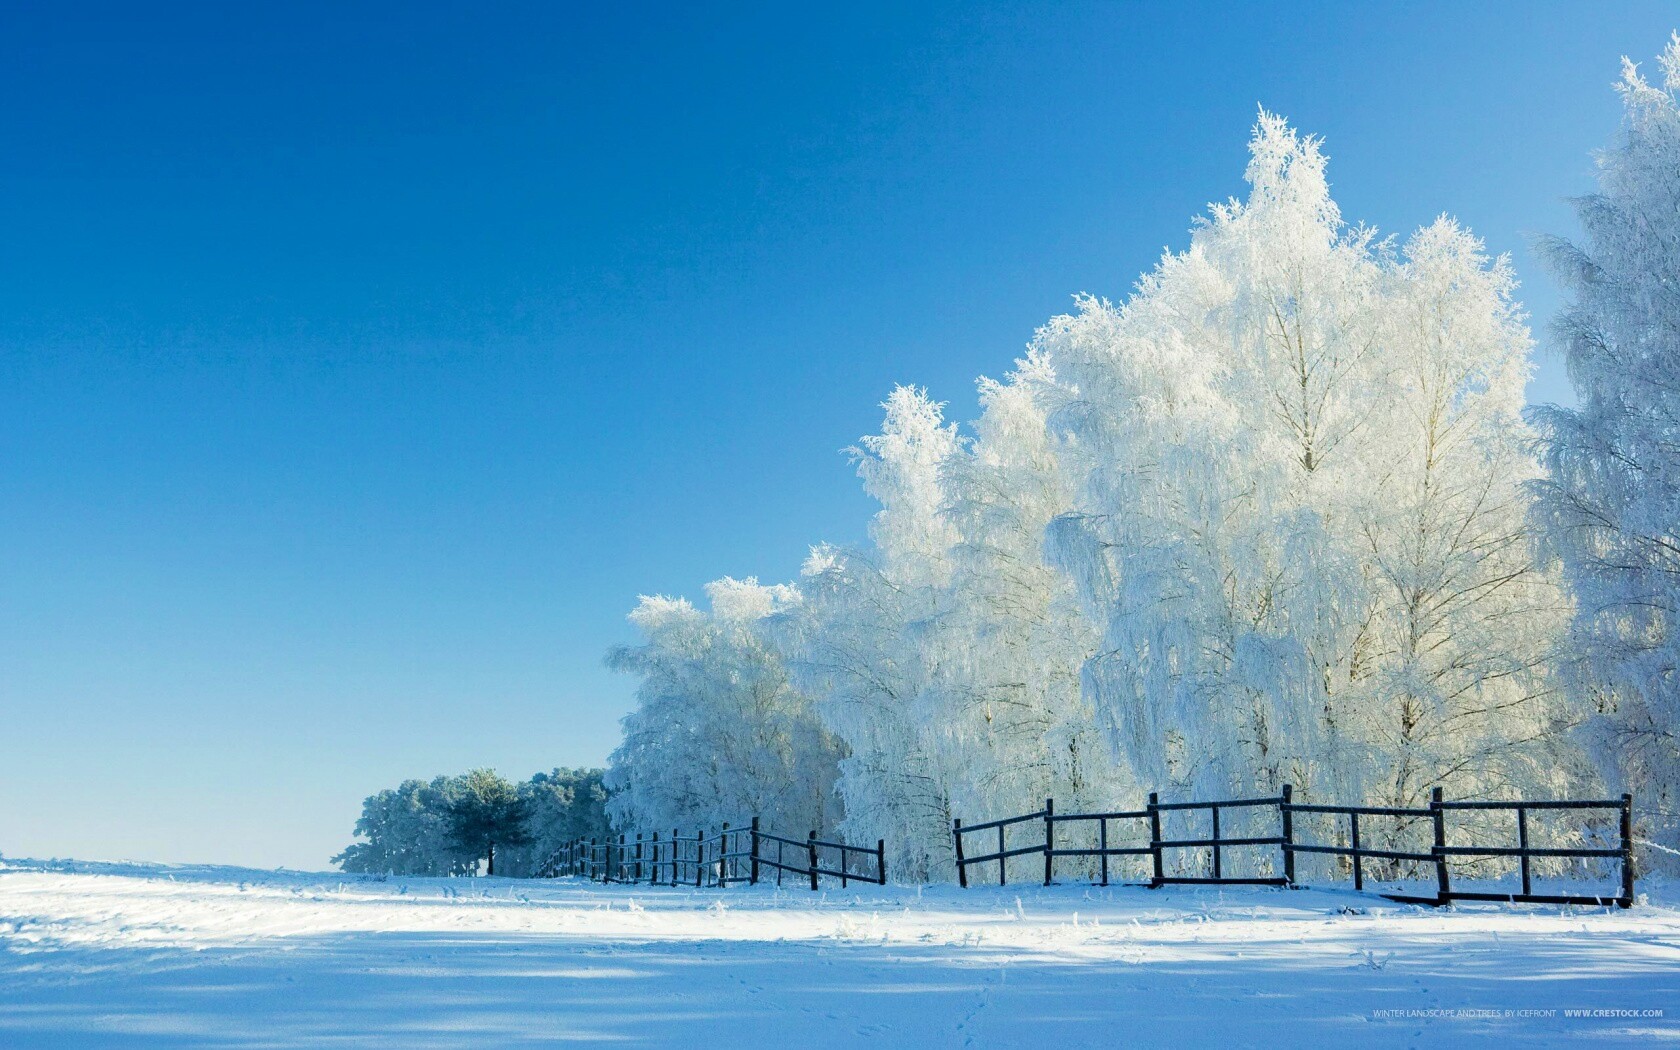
column 357, row 371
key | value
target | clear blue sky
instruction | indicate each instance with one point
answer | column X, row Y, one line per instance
column 357, row 371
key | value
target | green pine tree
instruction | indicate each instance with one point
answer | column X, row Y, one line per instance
column 486, row 811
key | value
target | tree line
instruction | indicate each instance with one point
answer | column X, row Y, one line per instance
column 1278, row 516
column 451, row 824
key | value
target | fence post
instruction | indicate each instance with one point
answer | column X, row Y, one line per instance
column 1049, row 838
column 653, row 869
column 676, row 855
column 1288, row 835
column 1155, row 838
column 623, row 851
column 1218, row 868
column 1443, row 887
column 724, row 860
column 1358, row 861
column 1522, row 844
column 1102, row 845
column 881, row 860
column 753, row 866
column 1626, row 900
column 700, row 857
column 811, row 845
column 1003, row 861
column 962, row 869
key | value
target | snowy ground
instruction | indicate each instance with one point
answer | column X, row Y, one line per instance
column 138, row 955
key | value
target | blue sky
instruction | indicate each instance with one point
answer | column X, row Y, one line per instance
column 357, row 371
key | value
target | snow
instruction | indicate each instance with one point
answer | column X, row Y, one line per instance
column 124, row 955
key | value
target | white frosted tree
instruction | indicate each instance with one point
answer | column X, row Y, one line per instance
column 947, row 653
column 1611, row 503
column 1014, row 639
column 859, row 643
column 1265, row 522
column 719, row 733
column 1299, row 518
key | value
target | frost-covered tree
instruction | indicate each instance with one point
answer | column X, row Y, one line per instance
column 564, row 805
column 859, row 641
column 1264, row 522
column 406, row 832
column 1299, row 513
column 1611, row 503
column 719, row 733
column 947, row 653
column 1013, row 636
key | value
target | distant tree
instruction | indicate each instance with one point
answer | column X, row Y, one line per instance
column 565, row 805
column 411, row 829
column 487, row 810
column 406, row 832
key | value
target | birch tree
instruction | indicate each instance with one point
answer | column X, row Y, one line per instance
column 1610, row 506
column 719, row 732
column 1300, row 512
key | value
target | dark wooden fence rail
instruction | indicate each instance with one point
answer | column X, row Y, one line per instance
column 1215, row 844
column 1523, row 851
column 1355, row 851
column 729, row 857
column 812, row 850
column 1439, row 856
column 1103, row 850
column 1003, row 853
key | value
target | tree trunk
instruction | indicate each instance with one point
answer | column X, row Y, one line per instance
column 491, row 869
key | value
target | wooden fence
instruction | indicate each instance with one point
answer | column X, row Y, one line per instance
column 731, row 856
column 1436, row 859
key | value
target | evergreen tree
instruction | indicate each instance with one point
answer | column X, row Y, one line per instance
column 487, row 810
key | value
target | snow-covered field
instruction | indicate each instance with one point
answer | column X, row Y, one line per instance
column 113, row 955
